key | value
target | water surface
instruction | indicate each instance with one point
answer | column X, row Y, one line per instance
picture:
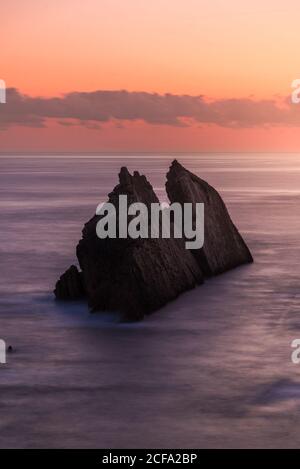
column 211, row 369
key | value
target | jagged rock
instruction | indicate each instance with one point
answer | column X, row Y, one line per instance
column 138, row 276
column 224, row 248
column 70, row 286
column 134, row 276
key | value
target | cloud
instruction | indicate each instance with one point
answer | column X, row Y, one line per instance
column 93, row 108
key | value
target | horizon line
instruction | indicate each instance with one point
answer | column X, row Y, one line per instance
column 138, row 154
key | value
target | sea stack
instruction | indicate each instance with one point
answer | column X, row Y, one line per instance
column 138, row 276
column 224, row 248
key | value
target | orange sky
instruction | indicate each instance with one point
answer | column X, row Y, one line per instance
column 217, row 48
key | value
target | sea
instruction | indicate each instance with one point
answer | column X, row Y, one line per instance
column 212, row 369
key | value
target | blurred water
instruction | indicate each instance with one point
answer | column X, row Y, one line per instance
column 211, row 369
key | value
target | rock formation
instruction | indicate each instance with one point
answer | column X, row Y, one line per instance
column 224, row 248
column 70, row 286
column 138, row 276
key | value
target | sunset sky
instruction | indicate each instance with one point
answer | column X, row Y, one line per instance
column 196, row 75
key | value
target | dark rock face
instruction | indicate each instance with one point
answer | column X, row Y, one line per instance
column 70, row 286
column 224, row 248
column 138, row 276
column 134, row 276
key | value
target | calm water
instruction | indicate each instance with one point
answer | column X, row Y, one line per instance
column 211, row 369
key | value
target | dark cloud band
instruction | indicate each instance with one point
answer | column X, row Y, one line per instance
column 90, row 108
